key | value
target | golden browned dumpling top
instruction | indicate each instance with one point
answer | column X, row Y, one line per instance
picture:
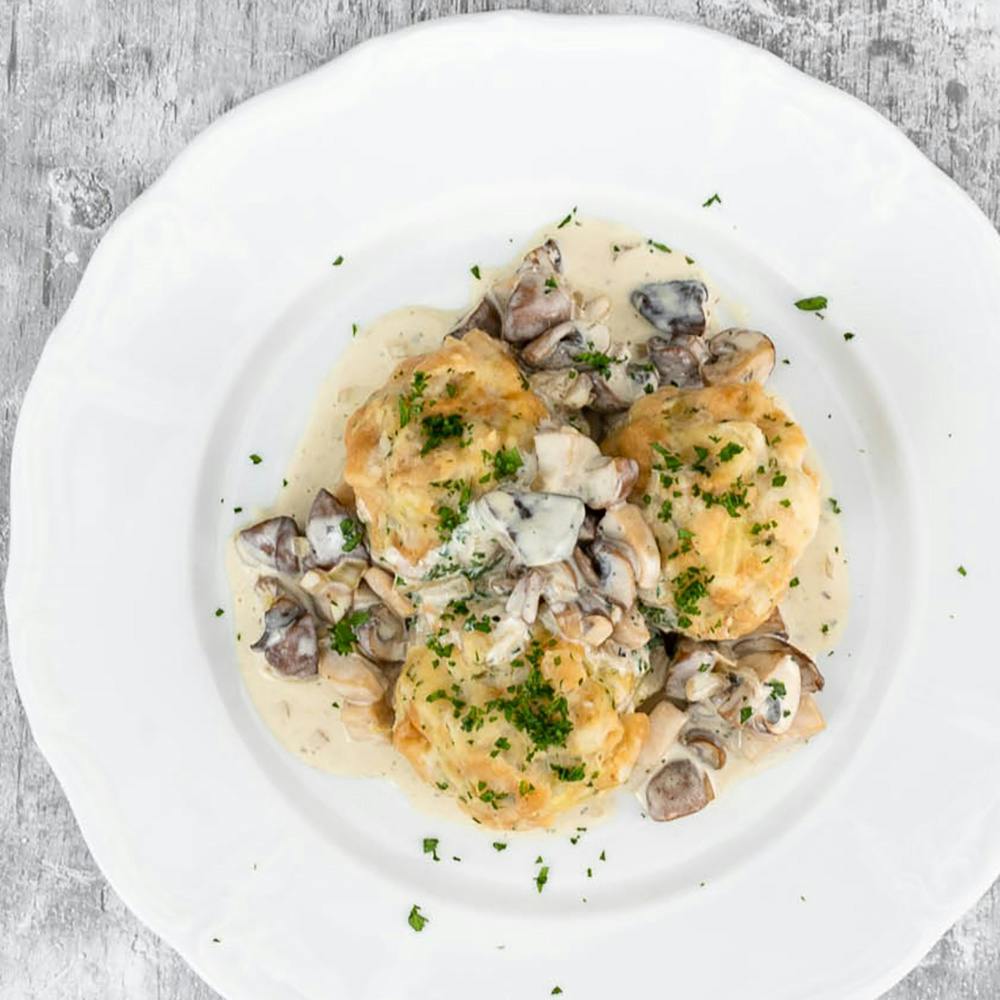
column 518, row 740
column 725, row 488
column 447, row 427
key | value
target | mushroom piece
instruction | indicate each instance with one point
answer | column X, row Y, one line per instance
column 333, row 533
column 673, row 307
column 676, row 365
column 616, row 578
column 691, row 658
column 784, row 684
column 678, row 789
column 706, row 746
column 560, row 346
column 625, row 525
column 571, row 463
column 812, row 679
column 524, row 598
column 381, row 583
column 538, row 300
column 371, row 723
column 666, row 721
column 289, row 642
column 353, row 677
column 624, row 383
column 382, row 636
column 485, row 317
column 565, row 389
column 271, row 544
column 538, row 528
column 631, row 630
column 738, row 356
column 333, row 590
column 703, row 685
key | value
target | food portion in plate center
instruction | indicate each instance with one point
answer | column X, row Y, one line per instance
column 553, row 559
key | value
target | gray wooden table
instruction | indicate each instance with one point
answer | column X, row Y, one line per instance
column 95, row 100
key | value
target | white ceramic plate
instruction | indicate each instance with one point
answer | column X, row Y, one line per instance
column 199, row 334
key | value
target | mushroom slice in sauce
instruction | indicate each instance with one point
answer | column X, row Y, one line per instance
column 538, row 300
column 690, row 658
column 673, row 306
column 812, row 679
column 676, row 365
column 383, row 584
column 485, row 317
column 622, row 383
column 289, row 642
column 706, row 746
column 678, row 789
column 333, row 533
column 616, row 578
column 382, row 636
column 625, row 525
column 571, row 463
column 353, row 677
column 368, row 723
column 560, row 346
column 564, row 389
column 738, row 356
column 538, row 528
column 666, row 721
column 271, row 544
column 631, row 630
column 333, row 590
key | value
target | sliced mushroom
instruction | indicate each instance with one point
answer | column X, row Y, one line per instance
column 784, row 686
column 566, row 389
column 744, row 697
column 368, row 723
column 538, row 300
column 702, row 685
column 623, row 383
column 691, row 657
column 676, row 365
column 560, row 346
column 572, row 464
column 485, row 317
column 289, row 642
column 812, row 679
column 673, row 306
column 524, row 598
column 678, row 789
column 665, row 723
column 353, row 677
column 738, row 356
column 333, row 533
column 595, row 629
column 382, row 636
column 271, row 544
column 538, row 528
column 616, row 578
column 333, row 590
column 706, row 746
column 625, row 525
column 382, row 583
column 631, row 630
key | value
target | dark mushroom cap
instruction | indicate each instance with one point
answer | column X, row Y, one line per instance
column 678, row 789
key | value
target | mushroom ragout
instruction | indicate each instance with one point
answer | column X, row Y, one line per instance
column 551, row 560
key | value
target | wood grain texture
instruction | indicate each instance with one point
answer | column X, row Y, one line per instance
column 95, row 100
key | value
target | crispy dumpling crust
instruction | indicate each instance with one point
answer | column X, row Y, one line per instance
column 457, row 740
column 473, row 380
column 725, row 487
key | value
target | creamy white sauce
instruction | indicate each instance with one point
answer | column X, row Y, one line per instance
column 303, row 715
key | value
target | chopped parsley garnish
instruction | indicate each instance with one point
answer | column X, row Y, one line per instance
column 499, row 845
column 962, row 571
column 786, row 502
column 506, row 463
column 354, row 329
column 730, row 451
column 848, row 336
column 666, row 511
column 339, row 260
column 542, row 877
column 551, row 283
column 475, row 272
column 437, row 695
column 564, row 773
column 662, row 247
column 489, row 795
column 700, row 454
column 794, row 582
column 779, row 479
column 449, row 518
column 732, row 500
column 256, row 459
column 812, row 303
column 411, row 403
column 438, row 428
column 556, row 990
column 352, row 533
column 343, row 637
column 568, row 219
column 416, row 919
column 431, row 847
column 219, row 612
column 501, row 744
column 524, row 788
column 534, row 708
column 746, row 713
column 689, row 588
column 483, row 624
column 834, row 506
column 778, row 689
column 670, row 461
column 444, row 650
column 596, row 360
column 824, row 628
column 714, row 200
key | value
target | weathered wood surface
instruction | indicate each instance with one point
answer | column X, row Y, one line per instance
column 95, row 100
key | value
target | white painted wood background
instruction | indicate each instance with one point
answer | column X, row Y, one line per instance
column 97, row 97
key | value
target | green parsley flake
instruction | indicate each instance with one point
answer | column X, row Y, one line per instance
column 746, row 712
column 662, row 247
column 352, row 532
column 411, row 404
column 848, row 336
column 714, row 200
column 556, row 990
column 565, row 773
column 475, row 272
column 834, row 506
column 343, row 637
column 438, row 428
column 499, row 845
column 812, row 303
column 962, row 571
column 542, row 877
column 431, row 846
column 730, row 451
column 598, row 361
column 219, row 612
column 416, row 919
column 568, row 219
column 256, row 459
column 794, row 582
column 339, row 260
